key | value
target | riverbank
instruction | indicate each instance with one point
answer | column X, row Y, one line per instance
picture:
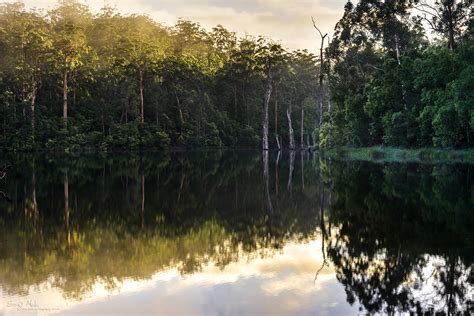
column 390, row 154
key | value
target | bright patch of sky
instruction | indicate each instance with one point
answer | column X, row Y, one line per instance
column 285, row 21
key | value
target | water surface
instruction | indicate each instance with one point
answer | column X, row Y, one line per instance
column 234, row 233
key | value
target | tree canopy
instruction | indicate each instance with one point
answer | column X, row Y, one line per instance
column 73, row 79
column 397, row 73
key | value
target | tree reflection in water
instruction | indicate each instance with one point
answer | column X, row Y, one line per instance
column 402, row 229
column 398, row 235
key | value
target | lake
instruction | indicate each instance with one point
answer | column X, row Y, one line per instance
column 234, row 233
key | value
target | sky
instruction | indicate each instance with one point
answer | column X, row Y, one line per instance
column 285, row 21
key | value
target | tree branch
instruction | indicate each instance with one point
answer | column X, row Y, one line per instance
column 425, row 7
column 317, row 28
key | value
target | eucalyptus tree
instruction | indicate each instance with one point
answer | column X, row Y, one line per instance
column 111, row 82
column 448, row 18
column 69, row 22
column 141, row 85
column 270, row 57
column 28, row 48
column 224, row 43
column 144, row 42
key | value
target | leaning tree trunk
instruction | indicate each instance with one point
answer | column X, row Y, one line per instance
column 290, row 130
column 266, row 102
column 65, row 87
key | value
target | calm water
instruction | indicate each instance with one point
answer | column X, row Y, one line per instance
column 226, row 233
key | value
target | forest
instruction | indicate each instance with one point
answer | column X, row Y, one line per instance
column 394, row 73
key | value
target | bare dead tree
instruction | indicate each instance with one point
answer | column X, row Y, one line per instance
column 321, row 72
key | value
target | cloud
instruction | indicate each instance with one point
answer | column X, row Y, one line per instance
column 288, row 22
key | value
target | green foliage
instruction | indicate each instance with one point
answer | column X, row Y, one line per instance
column 131, row 84
column 125, row 82
column 390, row 87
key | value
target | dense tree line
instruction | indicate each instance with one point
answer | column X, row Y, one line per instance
column 391, row 85
column 72, row 79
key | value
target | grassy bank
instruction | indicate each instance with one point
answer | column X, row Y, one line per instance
column 390, row 154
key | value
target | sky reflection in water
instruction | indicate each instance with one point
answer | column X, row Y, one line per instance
column 234, row 234
column 281, row 284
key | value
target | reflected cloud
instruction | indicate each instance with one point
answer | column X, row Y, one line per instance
column 275, row 285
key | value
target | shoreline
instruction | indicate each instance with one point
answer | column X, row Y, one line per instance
column 373, row 154
column 392, row 154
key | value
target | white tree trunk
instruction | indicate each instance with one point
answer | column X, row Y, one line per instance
column 290, row 176
column 278, row 141
column 290, row 129
column 302, row 128
column 266, row 102
column 266, row 180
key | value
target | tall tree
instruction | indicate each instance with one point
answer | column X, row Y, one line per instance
column 69, row 21
column 144, row 43
column 449, row 18
column 29, row 43
column 266, row 102
column 321, row 73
